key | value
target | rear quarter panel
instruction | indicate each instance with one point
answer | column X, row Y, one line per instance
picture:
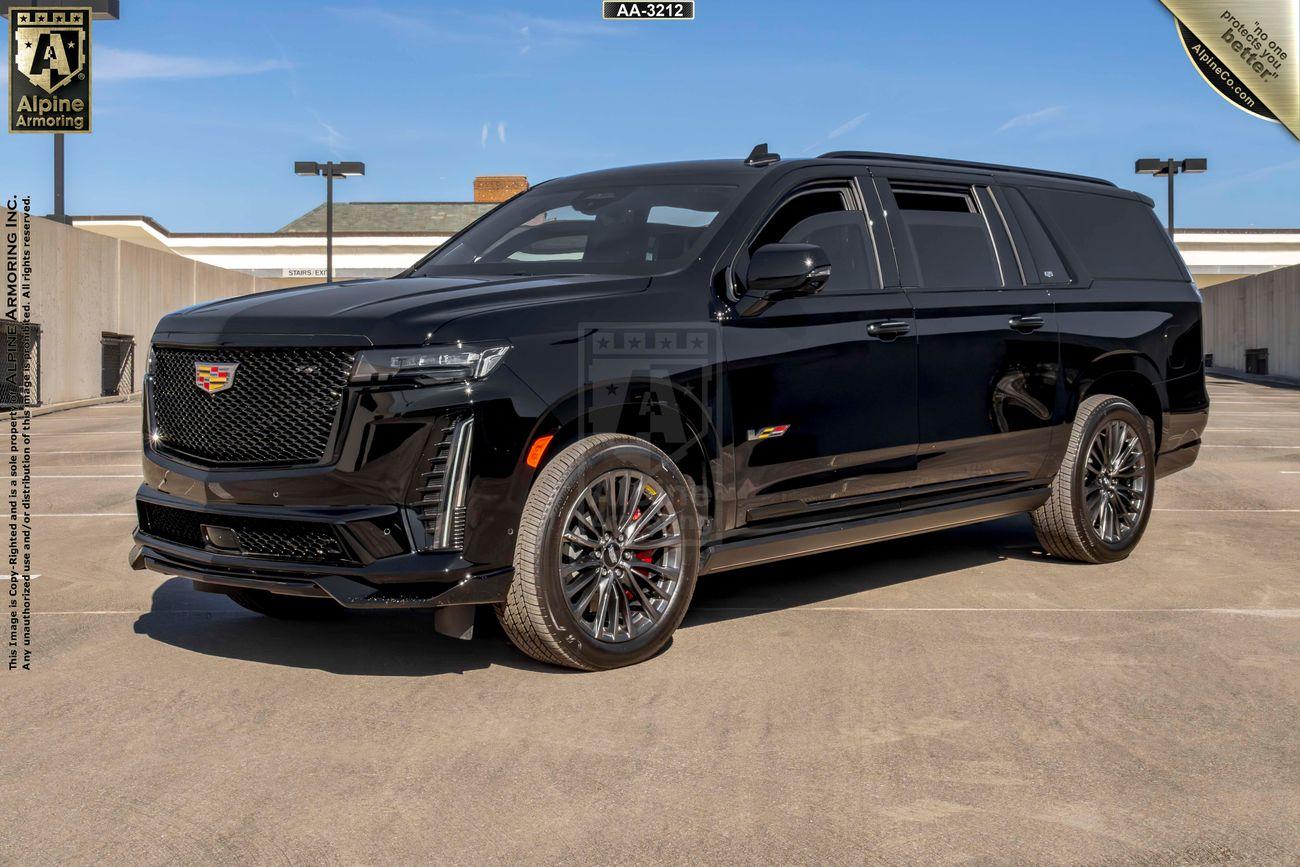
column 1116, row 328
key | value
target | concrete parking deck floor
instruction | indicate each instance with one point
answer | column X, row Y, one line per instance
column 945, row 698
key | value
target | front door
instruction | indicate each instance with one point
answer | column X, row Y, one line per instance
column 823, row 387
column 989, row 351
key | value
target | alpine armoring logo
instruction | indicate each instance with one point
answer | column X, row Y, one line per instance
column 49, row 70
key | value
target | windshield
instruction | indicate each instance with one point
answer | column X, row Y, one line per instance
column 641, row 230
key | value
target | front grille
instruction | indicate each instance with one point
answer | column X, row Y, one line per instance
column 280, row 408
column 299, row 541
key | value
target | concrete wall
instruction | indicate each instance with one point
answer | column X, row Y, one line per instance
column 1260, row 311
column 85, row 283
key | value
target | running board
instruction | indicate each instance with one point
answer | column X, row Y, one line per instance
column 846, row 534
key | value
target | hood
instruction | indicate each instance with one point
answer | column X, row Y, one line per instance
column 393, row 312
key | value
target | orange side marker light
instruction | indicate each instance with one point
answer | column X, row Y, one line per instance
column 537, row 450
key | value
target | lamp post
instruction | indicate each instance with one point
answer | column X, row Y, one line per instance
column 330, row 171
column 1168, row 168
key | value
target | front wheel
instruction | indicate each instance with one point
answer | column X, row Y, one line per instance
column 606, row 556
column 1101, row 496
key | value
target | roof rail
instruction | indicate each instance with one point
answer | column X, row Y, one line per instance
column 965, row 164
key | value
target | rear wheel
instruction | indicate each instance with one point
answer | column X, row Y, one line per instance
column 285, row 607
column 606, row 556
column 1101, row 496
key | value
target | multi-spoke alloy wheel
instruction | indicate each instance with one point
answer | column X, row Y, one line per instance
column 621, row 562
column 1114, row 481
column 1100, row 500
column 605, row 557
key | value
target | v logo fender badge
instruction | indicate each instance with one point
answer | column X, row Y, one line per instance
column 767, row 433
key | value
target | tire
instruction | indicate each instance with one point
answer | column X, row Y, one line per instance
column 284, row 607
column 1066, row 525
column 543, row 614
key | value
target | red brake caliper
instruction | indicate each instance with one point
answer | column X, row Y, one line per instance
column 643, row 556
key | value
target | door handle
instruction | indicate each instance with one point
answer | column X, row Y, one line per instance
column 1026, row 324
column 888, row 329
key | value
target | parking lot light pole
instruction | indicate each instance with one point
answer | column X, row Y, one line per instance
column 1168, row 168
column 330, row 171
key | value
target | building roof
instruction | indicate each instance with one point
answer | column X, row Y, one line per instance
column 434, row 218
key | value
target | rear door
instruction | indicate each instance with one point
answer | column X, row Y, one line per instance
column 823, row 403
column 989, row 355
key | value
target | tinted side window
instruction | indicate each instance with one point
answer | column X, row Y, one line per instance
column 824, row 218
column 1115, row 238
column 1047, row 266
column 949, row 237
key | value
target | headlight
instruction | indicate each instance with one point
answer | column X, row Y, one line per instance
column 428, row 365
column 149, row 363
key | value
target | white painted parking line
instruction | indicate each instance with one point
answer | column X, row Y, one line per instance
column 1257, row 612
column 127, row 476
column 1252, row 430
column 99, row 452
column 1225, row 510
column 84, row 433
column 1262, row 612
column 68, row 421
column 1290, row 472
column 1216, row 446
column 82, row 515
column 118, row 613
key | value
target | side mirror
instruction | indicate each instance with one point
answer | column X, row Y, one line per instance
column 787, row 270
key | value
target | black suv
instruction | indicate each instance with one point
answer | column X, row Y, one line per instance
column 616, row 382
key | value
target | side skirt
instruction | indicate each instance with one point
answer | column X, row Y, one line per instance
column 846, row 534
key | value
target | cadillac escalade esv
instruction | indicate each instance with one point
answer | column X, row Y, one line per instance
column 617, row 382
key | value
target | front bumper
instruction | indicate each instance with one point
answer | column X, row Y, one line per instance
column 355, row 528
column 405, row 580
column 349, row 591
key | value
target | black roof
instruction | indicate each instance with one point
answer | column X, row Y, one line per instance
column 737, row 171
column 685, row 171
column 961, row 164
column 451, row 217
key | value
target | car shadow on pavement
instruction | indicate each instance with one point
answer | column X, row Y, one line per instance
column 404, row 644
column 824, row 578
column 376, row 644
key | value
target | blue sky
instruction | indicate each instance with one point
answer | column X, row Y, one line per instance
column 201, row 108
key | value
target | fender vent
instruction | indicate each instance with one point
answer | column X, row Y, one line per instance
column 440, row 490
column 429, row 488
